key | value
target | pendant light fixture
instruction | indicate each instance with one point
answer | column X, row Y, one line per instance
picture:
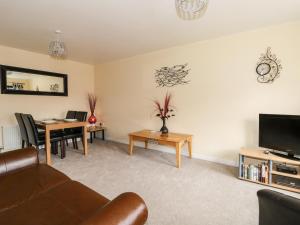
column 190, row 9
column 57, row 47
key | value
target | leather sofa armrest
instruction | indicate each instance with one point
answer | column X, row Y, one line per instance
column 277, row 209
column 18, row 159
column 126, row 209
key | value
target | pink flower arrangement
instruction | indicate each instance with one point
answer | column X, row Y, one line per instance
column 165, row 110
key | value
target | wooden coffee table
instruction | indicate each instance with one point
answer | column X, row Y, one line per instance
column 172, row 139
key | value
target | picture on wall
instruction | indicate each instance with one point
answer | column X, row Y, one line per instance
column 172, row 76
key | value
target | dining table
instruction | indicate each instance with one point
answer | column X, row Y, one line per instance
column 59, row 124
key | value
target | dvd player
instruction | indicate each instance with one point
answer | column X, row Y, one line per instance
column 286, row 169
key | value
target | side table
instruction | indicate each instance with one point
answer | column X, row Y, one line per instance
column 93, row 129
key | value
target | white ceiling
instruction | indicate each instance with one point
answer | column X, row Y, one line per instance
column 102, row 30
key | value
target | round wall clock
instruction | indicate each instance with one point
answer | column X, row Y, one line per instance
column 263, row 69
column 268, row 68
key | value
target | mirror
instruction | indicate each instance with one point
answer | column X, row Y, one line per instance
column 15, row 80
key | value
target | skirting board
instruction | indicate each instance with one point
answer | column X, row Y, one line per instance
column 195, row 155
column 42, row 146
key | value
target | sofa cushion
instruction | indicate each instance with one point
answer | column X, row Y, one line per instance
column 80, row 199
column 69, row 203
column 18, row 159
column 23, row 185
column 42, row 210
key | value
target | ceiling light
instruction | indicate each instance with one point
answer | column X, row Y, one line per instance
column 57, row 47
column 190, row 9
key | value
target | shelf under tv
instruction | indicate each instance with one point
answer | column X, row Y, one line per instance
column 271, row 160
column 274, row 152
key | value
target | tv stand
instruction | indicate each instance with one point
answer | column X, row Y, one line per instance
column 291, row 157
column 256, row 158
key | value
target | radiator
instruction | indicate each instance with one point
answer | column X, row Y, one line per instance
column 11, row 138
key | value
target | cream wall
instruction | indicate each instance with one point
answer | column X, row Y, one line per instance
column 80, row 80
column 221, row 104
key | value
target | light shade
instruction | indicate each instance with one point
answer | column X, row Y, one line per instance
column 57, row 47
column 190, row 9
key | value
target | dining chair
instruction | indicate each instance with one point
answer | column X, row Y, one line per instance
column 37, row 139
column 70, row 115
column 76, row 132
column 23, row 132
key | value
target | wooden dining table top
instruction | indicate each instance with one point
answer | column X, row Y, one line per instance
column 60, row 124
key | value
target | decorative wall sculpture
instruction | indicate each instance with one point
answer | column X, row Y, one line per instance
column 268, row 67
column 171, row 76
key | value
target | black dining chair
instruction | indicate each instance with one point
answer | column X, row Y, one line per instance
column 77, row 132
column 37, row 139
column 70, row 115
column 23, row 132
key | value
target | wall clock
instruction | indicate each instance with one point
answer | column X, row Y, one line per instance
column 268, row 67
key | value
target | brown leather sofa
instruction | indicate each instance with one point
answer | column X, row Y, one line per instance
column 36, row 194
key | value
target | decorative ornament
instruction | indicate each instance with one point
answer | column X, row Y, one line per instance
column 268, row 68
column 57, row 47
column 54, row 87
column 164, row 111
column 92, row 103
column 171, row 76
column 190, row 9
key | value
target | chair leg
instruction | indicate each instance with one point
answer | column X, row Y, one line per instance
column 76, row 144
column 67, row 142
column 63, row 149
column 23, row 144
column 54, row 148
column 73, row 142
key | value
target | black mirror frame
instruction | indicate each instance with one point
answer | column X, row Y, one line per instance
column 4, row 90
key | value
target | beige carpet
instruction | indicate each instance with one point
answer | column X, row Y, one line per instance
column 200, row 193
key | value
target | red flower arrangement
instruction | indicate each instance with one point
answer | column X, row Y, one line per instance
column 164, row 111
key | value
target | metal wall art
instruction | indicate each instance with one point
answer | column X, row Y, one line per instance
column 171, row 76
column 268, row 67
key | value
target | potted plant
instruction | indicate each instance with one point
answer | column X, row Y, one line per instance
column 164, row 112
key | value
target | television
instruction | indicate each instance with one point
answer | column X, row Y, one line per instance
column 280, row 133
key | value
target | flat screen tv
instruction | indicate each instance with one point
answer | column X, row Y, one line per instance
column 281, row 133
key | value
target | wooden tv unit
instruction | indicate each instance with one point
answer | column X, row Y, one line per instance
column 270, row 160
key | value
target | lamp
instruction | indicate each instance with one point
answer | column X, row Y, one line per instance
column 190, row 9
column 57, row 47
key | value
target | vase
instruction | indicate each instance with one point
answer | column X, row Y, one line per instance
column 92, row 119
column 164, row 129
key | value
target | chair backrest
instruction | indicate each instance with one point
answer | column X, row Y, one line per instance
column 22, row 127
column 71, row 114
column 31, row 129
column 81, row 116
